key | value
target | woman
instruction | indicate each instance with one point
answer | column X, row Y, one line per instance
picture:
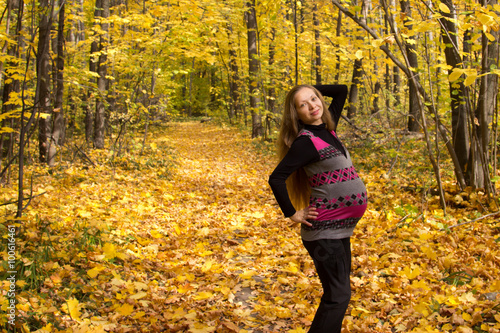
column 324, row 192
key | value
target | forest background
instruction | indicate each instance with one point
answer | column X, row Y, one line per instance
column 90, row 84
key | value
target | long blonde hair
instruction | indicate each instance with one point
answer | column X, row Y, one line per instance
column 298, row 184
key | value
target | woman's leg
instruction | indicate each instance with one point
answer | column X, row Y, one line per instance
column 332, row 259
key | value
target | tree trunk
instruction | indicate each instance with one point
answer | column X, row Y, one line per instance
column 376, row 93
column 377, row 86
column 77, row 32
column 317, row 48
column 75, row 36
column 10, row 86
column 288, row 17
column 353, row 91
column 58, row 131
column 8, row 9
column 396, row 76
column 388, row 81
column 253, row 70
column 357, row 71
column 272, row 88
column 190, row 90
column 7, row 140
column 233, row 86
column 296, row 36
column 42, row 94
column 396, row 84
column 411, row 53
column 460, row 107
column 93, row 63
column 338, row 33
column 23, row 128
column 100, row 109
column 234, row 78
column 487, row 103
column 271, row 94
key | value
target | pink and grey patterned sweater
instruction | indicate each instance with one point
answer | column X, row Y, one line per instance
column 337, row 192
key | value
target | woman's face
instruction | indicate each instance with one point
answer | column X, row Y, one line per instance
column 309, row 106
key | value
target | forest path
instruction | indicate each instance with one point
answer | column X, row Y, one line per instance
column 232, row 245
column 181, row 234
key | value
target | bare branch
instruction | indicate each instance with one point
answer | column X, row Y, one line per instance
column 374, row 34
column 475, row 220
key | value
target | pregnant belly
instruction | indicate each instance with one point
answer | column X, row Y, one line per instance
column 341, row 212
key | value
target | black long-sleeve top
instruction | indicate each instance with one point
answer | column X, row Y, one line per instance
column 302, row 152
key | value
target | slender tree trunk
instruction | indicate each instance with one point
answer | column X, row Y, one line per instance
column 396, row 76
column 411, row 52
column 24, row 128
column 100, row 110
column 387, row 85
column 148, row 101
column 6, row 86
column 288, row 16
column 388, row 81
column 74, row 37
column 190, row 90
column 272, row 54
column 253, row 69
column 357, row 73
column 58, row 131
column 7, row 142
column 272, row 83
column 42, row 94
column 489, row 83
column 376, row 93
column 377, row 86
column 396, row 84
column 338, row 33
column 93, row 63
column 296, row 35
column 77, row 31
column 353, row 91
column 460, row 107
column 233, row 78
column 11, row 86
column 487, row 103
column 8, row 9
column 317, row 45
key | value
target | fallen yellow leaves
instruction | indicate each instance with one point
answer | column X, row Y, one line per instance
column 125, row 309
column 124, row 248
column 72, row 307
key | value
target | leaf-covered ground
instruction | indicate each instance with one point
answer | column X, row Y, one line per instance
column 188, row 238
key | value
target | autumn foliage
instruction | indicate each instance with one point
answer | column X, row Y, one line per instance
column 187, row 237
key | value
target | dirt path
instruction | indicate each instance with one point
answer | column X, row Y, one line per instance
column 233, row 256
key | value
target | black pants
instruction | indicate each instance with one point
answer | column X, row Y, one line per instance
column 332, row 259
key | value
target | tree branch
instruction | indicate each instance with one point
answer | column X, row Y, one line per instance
column 475, row 220
column 411, row 77
column 374, row 34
